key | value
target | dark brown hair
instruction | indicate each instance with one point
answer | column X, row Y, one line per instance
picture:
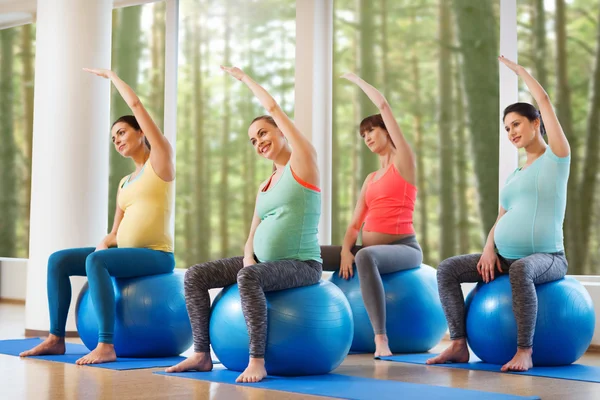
column 373, row 121
column 528, row 111
column 267, row 118
column 132, row 122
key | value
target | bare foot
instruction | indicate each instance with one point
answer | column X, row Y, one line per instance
column 103, row 353
column 520, row 362
column 53, row 345
column 457, row 352
column 382, row 348
column 255, row 372
column 197, row 362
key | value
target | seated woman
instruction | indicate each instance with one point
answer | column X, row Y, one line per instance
column 385, row 205
column 527, row 233
column 282, row 250
column 140, row 242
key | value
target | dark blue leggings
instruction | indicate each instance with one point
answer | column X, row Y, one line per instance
column 98, row 266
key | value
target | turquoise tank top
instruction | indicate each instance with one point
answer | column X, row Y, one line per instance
column 535, row 200
column 289, row 219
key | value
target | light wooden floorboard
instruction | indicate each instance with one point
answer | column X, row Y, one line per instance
column 35, row 379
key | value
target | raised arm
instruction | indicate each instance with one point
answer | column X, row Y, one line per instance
column 405, row 158
column 161, row 155
column 304, row 156
column 556, row 137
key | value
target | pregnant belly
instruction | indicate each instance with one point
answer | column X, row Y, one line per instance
column 513, row 235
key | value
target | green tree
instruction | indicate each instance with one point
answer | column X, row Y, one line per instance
column 126, row 57
column 8, row 173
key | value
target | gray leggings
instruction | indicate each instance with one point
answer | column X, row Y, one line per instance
column 524, row 274
column 253, row 281
column 372, row 262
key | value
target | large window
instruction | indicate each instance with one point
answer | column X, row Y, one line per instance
column 558, row 43
column 138, row 57
column 218, row 173
column 16, row 126
column 435, row 61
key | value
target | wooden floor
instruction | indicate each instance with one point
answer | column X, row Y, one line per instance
column 36, row 379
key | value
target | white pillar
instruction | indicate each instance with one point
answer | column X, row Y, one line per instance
column 171, row 65
column 509, row 86
column 313, row 91
column 71, row 128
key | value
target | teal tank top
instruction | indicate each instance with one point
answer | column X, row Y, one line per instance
column 535, row 200
column 289, row 219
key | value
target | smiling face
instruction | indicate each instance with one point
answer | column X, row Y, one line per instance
column 521, row 131
column 127, row 139
column 266, row 138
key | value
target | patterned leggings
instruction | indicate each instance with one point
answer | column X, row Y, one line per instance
column 524, row 274
column 253, row 281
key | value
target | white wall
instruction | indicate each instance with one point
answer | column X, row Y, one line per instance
column 13, row 278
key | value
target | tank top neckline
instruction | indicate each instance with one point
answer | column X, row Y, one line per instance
column 269, row 184
column 388, row 168
column 129, row 181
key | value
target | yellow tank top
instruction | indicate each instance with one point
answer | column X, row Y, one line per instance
column 147, row 202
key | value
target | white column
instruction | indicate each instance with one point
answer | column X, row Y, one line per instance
column 313, row 91
column 71, row 129
column 171, row 64
column 509, row 85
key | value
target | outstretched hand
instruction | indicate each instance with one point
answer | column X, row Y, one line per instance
column 352, row 77
column 510, row 64
column 234, row 71
column 104, row 73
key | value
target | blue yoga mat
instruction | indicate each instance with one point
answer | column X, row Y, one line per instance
column 574, row 372
column 75, row 351
column 348, row 387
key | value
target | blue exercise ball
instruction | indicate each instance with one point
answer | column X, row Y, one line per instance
column 564, row 326
column 415, row 321
column 309, row 330
column 151, row 317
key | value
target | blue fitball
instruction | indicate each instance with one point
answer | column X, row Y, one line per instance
column 564, row 326
column 309, row 330
column 415, row 319
column 151, row 316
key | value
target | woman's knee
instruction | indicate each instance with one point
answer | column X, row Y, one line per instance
column 57, row 260
column 520, row 271
column 246, row 275
column 195, row 277
column 94, row 263
column 447, row 270
column 365, row 260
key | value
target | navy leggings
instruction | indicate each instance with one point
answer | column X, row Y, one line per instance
column 98, row 266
